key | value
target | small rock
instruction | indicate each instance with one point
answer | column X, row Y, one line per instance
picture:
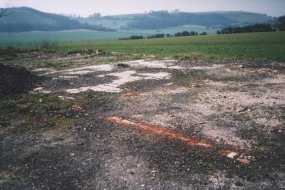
column 241, row 109
column 232, row 155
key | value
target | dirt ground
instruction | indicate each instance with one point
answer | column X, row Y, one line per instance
column 147, row 124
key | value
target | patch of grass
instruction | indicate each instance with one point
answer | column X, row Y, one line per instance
column 36, row 113
column 57, row 139
column 143, row 85
column 49, row 58
column 52, row 64
column 188, row 78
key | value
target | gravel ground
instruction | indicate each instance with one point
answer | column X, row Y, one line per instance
column 166, row 110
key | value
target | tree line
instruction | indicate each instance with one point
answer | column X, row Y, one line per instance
column 278, row 26
column 281, row 23
column 178, row 34
column 247, row 29
column 3, row 12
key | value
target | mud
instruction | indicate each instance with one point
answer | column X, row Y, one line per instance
column 137, row 136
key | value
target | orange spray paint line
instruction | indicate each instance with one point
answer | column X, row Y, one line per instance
column 158, row 131
column 171, row 134
column 130, row 94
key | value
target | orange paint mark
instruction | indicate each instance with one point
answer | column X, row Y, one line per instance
column 130, row 94
column 160, row 131
column 243, row 160
column 231, row 152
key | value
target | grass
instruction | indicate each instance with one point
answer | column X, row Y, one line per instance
column 21, row 58
column 38, row 37
column 35, row 113
column 269, row 45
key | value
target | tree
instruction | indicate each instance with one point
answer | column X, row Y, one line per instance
column 95, row 15
column 281, row 23
column 3, row 12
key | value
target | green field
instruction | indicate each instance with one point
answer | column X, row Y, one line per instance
column 232, row 46
column 270, row 45
column 33, row 38
column 30, row 38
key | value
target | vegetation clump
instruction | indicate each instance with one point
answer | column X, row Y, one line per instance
column 35, row 112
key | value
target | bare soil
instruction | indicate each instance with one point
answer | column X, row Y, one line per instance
column 150, row 124
column 15, row 81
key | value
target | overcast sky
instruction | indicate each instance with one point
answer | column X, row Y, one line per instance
column 113, row 7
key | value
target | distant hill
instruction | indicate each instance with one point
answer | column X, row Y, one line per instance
column 24, row 19
column 247, row 18
column 164, row 19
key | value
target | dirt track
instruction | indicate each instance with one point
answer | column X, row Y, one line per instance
column 156, row 124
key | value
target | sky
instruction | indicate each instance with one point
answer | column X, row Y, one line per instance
column 115, row 7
